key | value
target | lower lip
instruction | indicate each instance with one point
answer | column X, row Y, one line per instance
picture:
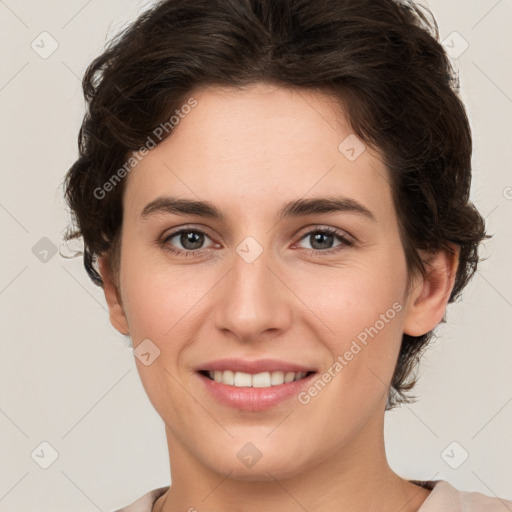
column 254, row 399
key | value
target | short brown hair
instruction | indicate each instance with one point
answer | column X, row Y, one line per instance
column 380, row 58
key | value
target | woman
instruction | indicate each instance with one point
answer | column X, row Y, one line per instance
column 274, row 196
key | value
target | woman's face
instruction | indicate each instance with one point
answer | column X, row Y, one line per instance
column 265, row 281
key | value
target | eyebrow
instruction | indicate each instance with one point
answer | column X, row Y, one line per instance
column 297, row 208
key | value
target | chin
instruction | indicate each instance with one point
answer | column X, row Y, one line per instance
column 269, row 464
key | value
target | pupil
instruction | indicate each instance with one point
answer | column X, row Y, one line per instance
column 318, row 237
column 193, row 238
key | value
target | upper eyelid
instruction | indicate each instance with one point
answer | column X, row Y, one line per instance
column 177, row 231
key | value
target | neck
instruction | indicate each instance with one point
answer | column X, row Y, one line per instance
column 357, row 477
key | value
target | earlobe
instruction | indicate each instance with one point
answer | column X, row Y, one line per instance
column 112, row 296
column 429, row 297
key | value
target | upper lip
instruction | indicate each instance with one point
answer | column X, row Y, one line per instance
column 254, row 366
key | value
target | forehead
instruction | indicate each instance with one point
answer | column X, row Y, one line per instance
column 260, row 144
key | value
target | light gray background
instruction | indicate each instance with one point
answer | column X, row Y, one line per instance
column 68, row 378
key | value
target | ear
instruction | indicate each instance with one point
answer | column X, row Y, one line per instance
column 113, row 297
column 429, row 297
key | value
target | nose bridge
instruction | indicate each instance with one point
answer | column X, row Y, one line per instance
column 252, row 301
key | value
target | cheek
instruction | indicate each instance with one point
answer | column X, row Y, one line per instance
column 160, row 300
column 357, row 313
column 351, row 298
column 160, row 304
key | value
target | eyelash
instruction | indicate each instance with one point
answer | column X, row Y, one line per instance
column 345, row 241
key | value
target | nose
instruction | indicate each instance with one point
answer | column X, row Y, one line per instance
column 254, row 302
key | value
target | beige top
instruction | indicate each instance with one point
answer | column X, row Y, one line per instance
column 443, row 498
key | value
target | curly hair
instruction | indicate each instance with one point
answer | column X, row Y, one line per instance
column 381, row 59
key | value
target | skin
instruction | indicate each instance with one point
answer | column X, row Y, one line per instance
column 250, row 151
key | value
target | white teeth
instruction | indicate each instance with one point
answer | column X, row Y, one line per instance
column 228, row 377
column 258, row 380
column 261, row 380
column 243, row 380
column 289, row 376
column 277, row 378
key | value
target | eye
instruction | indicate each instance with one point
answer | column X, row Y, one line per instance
column 190, row 239
column 322, row 239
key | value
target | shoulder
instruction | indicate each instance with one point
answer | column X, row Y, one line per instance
column 446, row 498
column 145, row 502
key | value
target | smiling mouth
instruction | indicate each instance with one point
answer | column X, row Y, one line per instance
column 257, row 380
